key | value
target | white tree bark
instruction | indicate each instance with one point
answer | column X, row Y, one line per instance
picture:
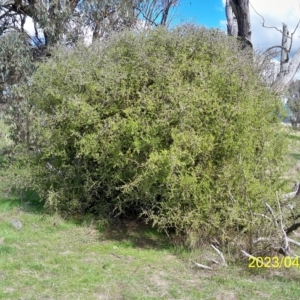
column 237, row 12
column 6, row 2
column 288, row 67
column 283, row 80
column 232, row 26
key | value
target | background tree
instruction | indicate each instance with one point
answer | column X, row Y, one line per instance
column 59, row 22
column 293, row 96
column 238, row 24
column 65, row 22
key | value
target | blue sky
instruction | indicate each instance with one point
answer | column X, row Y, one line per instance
column 201, row 12
column 211, row 13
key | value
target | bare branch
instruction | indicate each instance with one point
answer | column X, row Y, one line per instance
column 293, row 35
column 146, row 17
column 221, row 254
column 203, row 266
column 292, row 228
column 288, row 68
column 293, row 242
column 272, row 213
column 263, row 20
column 286, row 246
column 273, row 47
column 215, row 261
column 252, row 257
column 282, row 82
column 260, row 239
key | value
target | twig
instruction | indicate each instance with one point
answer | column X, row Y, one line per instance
column 260, row 239
column 247, row 254
column 262, row 215
column 221, row 254
column 281, row 225
column 203, row 266
column 293, row 34
column 272, row 213
column 215, row 261
column 273, row 47
column 293, row 242
column 216, row 241
column 292, row 228
column 115, row 255
column 252, row 257
column 263, row 22
column 273, row 27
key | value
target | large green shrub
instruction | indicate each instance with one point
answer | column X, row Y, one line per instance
column 174, row 125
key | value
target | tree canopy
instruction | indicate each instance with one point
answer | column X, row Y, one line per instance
column 65, row 22
column 293, row 101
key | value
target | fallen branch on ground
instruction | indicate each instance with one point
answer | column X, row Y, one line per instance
column 221, row 254
column 203, row 266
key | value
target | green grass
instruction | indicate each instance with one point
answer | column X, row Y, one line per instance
column 52, row 258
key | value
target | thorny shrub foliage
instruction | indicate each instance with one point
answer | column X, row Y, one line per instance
column 176, row 126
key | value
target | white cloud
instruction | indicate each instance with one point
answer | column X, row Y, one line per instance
column 28, row 26
column 274, row 12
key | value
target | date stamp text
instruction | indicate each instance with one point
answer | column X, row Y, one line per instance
column 273, row 262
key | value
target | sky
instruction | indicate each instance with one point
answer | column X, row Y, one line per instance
column 202, row 12
column 211, row 13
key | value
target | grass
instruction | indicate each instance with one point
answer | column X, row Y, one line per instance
column 293, row 155
column 54, row 258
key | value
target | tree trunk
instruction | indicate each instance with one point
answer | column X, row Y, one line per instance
column 238, row 14
column 241, row 11
column 288, row 67
column 232, row 26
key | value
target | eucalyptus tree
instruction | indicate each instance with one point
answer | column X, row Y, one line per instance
column 41, row 24
column 293, row 101
column 30, row 28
